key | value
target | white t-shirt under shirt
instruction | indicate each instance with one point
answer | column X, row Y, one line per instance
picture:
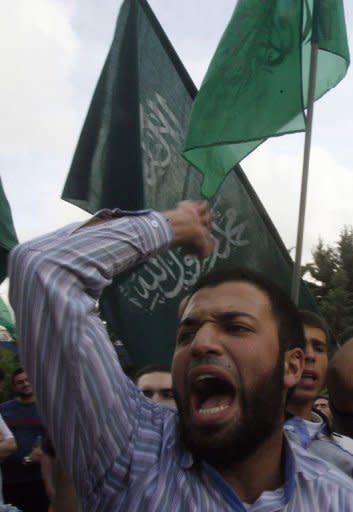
column 315, row 425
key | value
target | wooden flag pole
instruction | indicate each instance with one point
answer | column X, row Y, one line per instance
column 306, row 160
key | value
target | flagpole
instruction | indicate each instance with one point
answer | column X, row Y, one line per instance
column 306, row 160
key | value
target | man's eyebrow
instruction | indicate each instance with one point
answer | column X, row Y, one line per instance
column 221, row 316
column 188, row 322
column 319, row 342
column 233, row 315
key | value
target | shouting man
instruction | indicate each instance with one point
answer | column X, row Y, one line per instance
column 306, row 426
column 239, row 350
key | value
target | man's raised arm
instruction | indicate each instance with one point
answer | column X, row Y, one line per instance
column 89, row 407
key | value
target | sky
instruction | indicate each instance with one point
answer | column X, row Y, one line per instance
column 52, row 52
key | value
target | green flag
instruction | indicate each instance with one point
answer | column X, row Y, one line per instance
column 113, row 151
column 8, row 238
column 129, row 155
column 6, row 319
column 256, row 85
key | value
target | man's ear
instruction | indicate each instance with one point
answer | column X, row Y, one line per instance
column 293, row 367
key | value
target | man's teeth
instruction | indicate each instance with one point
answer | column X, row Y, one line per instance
column 204, row 377
column 213, row 410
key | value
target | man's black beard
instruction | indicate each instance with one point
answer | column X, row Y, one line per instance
column 261, row 414
column 24, row 396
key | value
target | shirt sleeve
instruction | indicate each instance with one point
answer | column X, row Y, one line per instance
column 4, row 429
column 88, row 405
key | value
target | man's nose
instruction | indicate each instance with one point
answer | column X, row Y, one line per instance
column 156, row 397
column 309, row 353
column 206, row 340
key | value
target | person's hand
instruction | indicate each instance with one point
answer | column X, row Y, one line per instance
column 36, row 454
column 191, row 225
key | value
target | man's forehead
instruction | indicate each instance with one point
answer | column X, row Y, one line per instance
column 315, row 333
column 229, row 296
column 162, row 379
column 20, row 378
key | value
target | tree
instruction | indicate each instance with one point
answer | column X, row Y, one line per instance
column 9, row 362
column 331, row 282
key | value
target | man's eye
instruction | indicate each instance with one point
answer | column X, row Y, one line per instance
column 320, row 348
column 236, row 328
column 167, row 393
column 148, row 393
column 185, row 337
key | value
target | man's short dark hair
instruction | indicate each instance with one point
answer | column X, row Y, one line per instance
column 152, row 368
column 15, row 373
column 321, row 396
column 313, row 320
column 286, row 314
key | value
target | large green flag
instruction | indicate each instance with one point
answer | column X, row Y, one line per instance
column 6, row 319
column 129, row 155
column 256, row 85
column 8, row 238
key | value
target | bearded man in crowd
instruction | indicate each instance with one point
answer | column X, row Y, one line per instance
column 239, row 351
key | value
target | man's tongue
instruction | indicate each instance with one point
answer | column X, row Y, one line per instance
column 216, row 401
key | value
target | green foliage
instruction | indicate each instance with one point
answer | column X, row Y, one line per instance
column 8, row 363
column 331, row 282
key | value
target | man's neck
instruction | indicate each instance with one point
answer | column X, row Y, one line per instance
column 262, row 471
column 301, row 409
column 25, row 399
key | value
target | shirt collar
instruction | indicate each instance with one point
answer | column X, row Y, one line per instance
column 306, row 463
column 290, row 469
column 316, row 418
column 300, row 428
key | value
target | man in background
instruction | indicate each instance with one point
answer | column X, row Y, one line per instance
column 155, row 382
column 22, row 481
column 311, row 430
column 322, row 404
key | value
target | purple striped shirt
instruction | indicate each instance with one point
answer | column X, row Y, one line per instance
column 122, row 451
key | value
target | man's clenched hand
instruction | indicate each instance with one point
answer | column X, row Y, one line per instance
column 191, row 225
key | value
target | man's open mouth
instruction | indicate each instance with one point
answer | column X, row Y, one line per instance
column 309, row 379
column 310, row 375
column 212, row 395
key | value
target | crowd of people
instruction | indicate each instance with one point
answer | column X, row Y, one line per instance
column 239, row 422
